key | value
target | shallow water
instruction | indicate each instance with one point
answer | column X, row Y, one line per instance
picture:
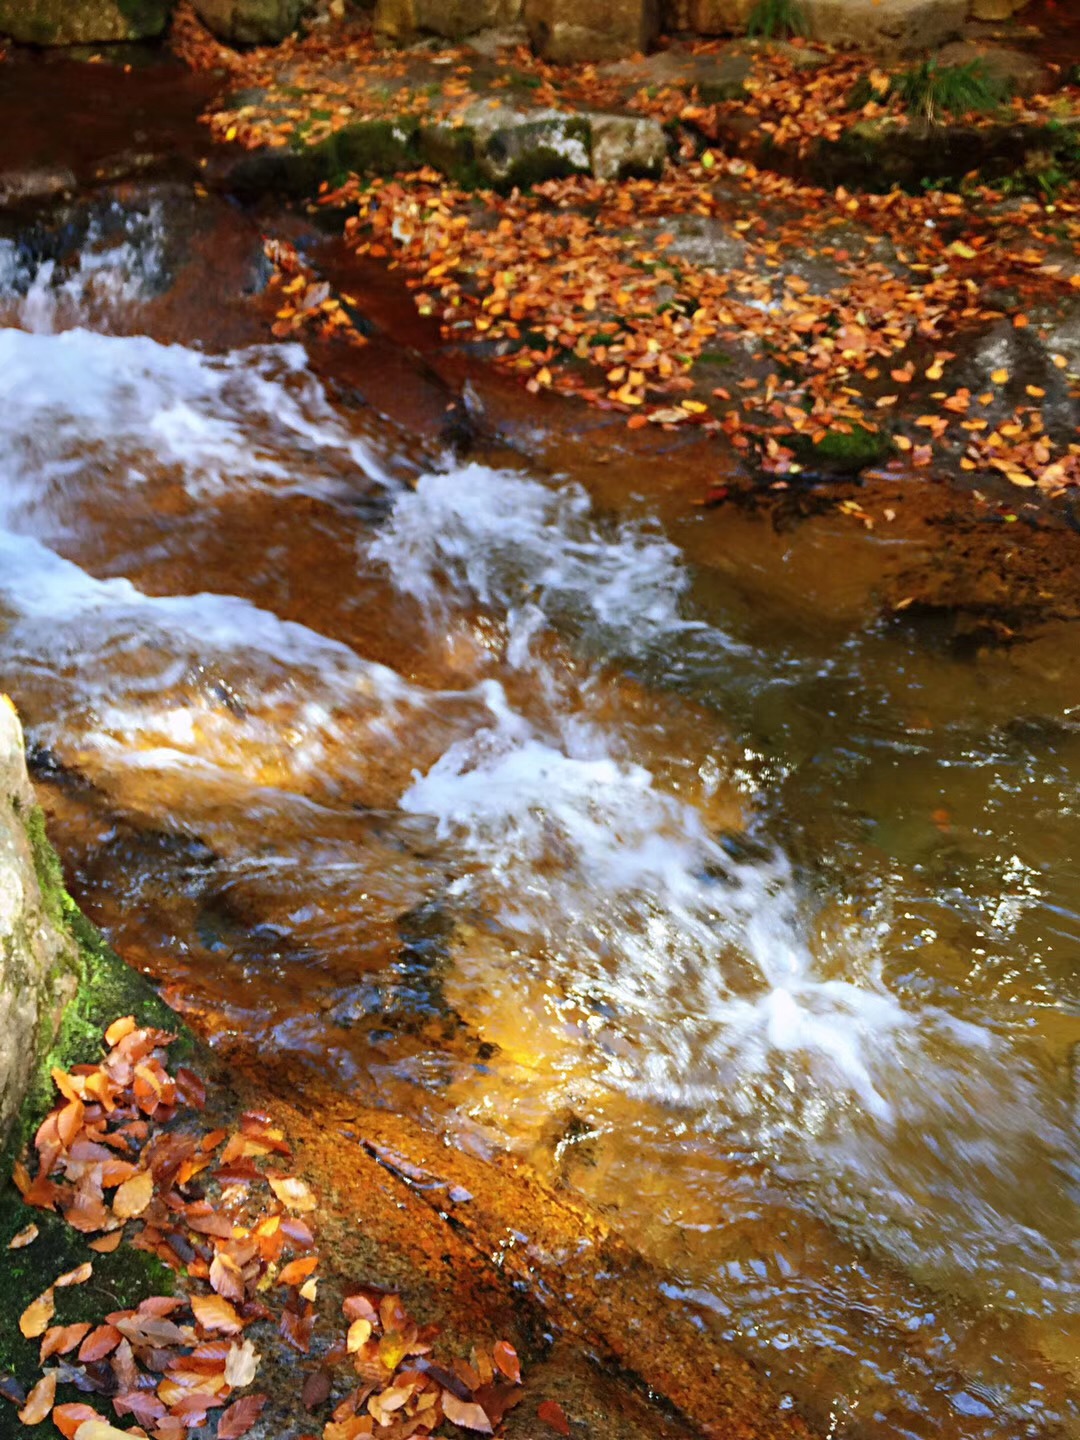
column 577, row 820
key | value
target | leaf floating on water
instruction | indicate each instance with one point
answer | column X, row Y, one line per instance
column 35, row 1318
column 40, row 1400
column 552, row 1413
column 26, row 1236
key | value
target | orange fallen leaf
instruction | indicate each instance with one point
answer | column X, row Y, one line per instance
column 119, row 1030
column 68, row 1418
column 26, row 1236
column 78, row 1276
column 298, row 1270
column 999, row 377
column 506, row 1358
column 35, row 1318
column 134, row 1195
column 552, row 1413
column 40, row 1400
column 216, row 1314
column 60, row 1339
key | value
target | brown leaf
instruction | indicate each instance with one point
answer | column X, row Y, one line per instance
column 241, row 1415
column 226, row 1277
column 316, row 1389
column 298, row 1270
column 466, row 1413
column 40, row 1400
column 35, row 1318
column 26, row 1236
column 552, row 1413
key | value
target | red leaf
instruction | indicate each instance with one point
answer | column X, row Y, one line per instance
column 238, row 1419
column 552, row 1413
column 505, row 1357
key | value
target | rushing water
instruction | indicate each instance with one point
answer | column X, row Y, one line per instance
column 753, row 922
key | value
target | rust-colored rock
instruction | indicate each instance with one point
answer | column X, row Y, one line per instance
column 566, row 30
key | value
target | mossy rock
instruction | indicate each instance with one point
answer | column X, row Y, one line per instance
column 842, row 452
column 82, row 22
column 107, row 989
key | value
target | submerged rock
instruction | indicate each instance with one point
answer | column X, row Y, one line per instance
column 39, row 961
column 82, row 22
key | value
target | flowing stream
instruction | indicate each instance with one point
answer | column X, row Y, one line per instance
column 551, row 812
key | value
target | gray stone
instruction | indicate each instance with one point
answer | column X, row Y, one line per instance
column 38, row 959
column 566, row 31
column 523, row 147
column 624, row 146
column 897, row 26
column 82, row 22
column 250, row 22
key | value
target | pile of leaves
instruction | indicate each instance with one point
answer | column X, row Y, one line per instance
column 574, row 287
column 227, row 1214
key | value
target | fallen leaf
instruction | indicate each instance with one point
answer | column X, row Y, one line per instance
column 552, row 1413
column 466, row 1413
column 1000, row 377
column 40, row 1400
column 293, row 1192
column 241, row 1363
column 506, row 1359
column 119, row 1030
column 68, row 1418
column 238, row 1419
column 26, row 1236
column 214, row 1313
column 78, row 1276
column 60, row 1339
column 35, row 1318
column 358, row 1336
column 134, row 1195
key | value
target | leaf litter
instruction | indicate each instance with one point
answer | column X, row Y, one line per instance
column 174, row 1363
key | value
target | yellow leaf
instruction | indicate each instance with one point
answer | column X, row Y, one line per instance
column 1000, row 377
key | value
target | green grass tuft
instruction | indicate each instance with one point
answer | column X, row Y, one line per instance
column 930, row 90
column 777, row 20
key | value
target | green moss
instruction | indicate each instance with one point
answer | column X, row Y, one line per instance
column 107, row 989
column 843, row 452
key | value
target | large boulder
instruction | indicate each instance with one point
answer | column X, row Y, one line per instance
column 39, row 961
column 401, row 22
column 569, row 30
column 899, row 26
column 903, row 27
column 250, row 22
column 82, row 22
